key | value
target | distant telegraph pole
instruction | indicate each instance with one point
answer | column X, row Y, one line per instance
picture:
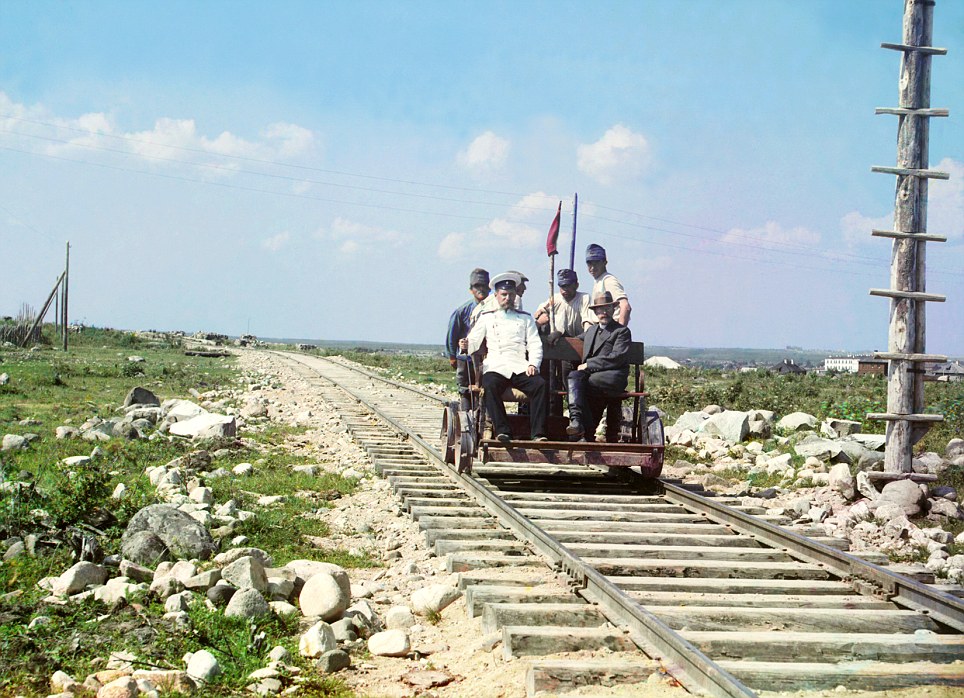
column 906, row 421
column 66, row 284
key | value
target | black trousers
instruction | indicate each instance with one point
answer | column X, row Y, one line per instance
column 494, row 384
column 589, row 396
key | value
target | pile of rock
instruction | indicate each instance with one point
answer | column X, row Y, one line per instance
column 839, row 484
column 144, row 416
column 242, row 583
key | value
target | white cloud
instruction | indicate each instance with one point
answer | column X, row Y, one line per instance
column 293, row 139
column 856, row 227
column 945, row 209
column 525, row 225
column 276, row 242
column 35, row 129
column 352, row 238
column 771, row 235
column 619, row 154
column 451, row 247
column 486, row 153
column 945, row 201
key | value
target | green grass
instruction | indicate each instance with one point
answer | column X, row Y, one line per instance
column 404, row 367
column 272, row 528
column 92, row 379
column 844, row 395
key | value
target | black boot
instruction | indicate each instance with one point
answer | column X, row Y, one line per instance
column 576, row 428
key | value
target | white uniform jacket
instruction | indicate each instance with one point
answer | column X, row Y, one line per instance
column 512, row 339
column 488, row 305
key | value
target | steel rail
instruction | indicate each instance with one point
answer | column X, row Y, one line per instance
column 697, row 672
column 864, row 576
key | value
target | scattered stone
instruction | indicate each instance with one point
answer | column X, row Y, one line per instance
column 332, row 661
column 206, row 426
column 797, row 421
column 13, row 442
column 124, row 687
column 317, row 640
column 399, row 617
column 323, row 596
column 246, row 573
column 731, row 425
column 390, row 643
column 202, row 666
column 842, row 481
column 78, row 577
column 180, row 534
column 904, row 493
column 141, row 396
column 434, row 598
column 247, row 603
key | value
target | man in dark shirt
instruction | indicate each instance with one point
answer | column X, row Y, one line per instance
column 459, row 326
column 603, row 373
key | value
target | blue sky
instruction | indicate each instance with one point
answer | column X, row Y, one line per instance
column 334, row 170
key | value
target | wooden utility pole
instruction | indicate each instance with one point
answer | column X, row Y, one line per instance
column 906, row 421
column 66, row 284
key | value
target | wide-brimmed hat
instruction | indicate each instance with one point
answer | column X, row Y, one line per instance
column 602, row 300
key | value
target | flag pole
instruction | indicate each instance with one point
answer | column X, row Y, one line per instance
column 552, row 250
column 572, row 248
column 552, row 295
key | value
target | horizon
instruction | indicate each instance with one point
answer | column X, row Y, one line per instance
column 339, row 168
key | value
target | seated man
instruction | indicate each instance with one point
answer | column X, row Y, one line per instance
column 603, row 373
column 571, row 317
column 513, row 358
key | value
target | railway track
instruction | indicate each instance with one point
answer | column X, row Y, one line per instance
column 713, row 592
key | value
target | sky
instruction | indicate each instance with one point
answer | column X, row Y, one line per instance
column 334, row 170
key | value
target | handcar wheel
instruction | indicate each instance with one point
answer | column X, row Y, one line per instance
column 450, row 431
column 466, row 453
column 650, row 428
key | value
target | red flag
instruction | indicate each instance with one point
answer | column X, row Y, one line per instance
column 553, row 233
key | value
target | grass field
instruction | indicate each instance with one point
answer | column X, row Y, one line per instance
column 48, row 388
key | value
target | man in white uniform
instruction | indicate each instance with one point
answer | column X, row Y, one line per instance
column 490, row 303
column 604, row 281
column 513, row 359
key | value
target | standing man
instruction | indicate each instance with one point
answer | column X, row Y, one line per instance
column 604, row 281
column 514, row 356
column 572, row 314
column 603, row 373
column 459, row 324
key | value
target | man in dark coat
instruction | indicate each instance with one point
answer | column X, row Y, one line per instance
column 603, row 373
column 459, row 326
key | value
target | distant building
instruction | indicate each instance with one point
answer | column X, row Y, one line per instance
column 856, row 363
column 951, row 371
column 787, row 366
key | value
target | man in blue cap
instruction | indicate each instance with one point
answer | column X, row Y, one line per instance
column 604, row 281
column 513, row 359
column 459, row 324
column 572, row 314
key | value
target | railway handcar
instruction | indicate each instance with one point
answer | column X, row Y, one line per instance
column 634, row 440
